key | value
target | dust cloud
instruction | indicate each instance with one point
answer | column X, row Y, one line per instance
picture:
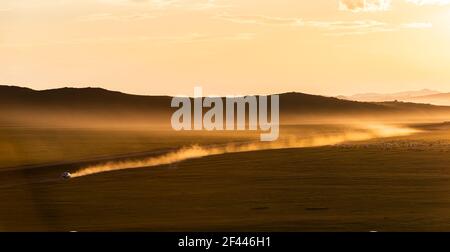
column 358, row 133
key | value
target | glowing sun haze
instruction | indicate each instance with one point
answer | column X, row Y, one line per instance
column 227, row 46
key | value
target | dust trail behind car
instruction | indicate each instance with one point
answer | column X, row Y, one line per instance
column 355, row 133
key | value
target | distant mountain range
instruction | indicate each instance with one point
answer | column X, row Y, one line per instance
column 437, row 99
column 96, row 106
column 422, row 96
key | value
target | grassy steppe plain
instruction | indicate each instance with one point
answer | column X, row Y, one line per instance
column 390, row 184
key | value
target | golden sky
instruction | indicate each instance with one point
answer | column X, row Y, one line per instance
column 324, row 47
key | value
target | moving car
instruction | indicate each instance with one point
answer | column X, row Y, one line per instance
column 66, row 175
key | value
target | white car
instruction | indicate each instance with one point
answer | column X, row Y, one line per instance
column 66, row 175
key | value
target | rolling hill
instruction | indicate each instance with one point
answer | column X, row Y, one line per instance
column 424, row 96
column 400, row 96
column 96, row 106
column 437, row 99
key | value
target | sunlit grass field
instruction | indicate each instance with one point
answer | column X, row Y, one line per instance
column 385, row 184
column 41, row 146
column 26, row 146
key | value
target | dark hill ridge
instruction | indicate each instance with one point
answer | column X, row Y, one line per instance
column 300, row 102
column 73, row 98
column 98, row 104
column 81, row 98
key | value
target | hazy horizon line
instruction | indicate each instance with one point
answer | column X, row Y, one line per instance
column 223, row 95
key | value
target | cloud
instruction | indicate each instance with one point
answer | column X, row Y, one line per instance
column 151, row 9
column 261, row 20
column 207, row 5
column 333, row 28
column 157, row 4
column 417, row 25
column 364, row 5
column 175, row 39
column 357, row 27
column 115, row 17
column 166, row 4
column 197, row 37
column 381, row 5
column 429, row 2
column 370, row 26
column 297, row 22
